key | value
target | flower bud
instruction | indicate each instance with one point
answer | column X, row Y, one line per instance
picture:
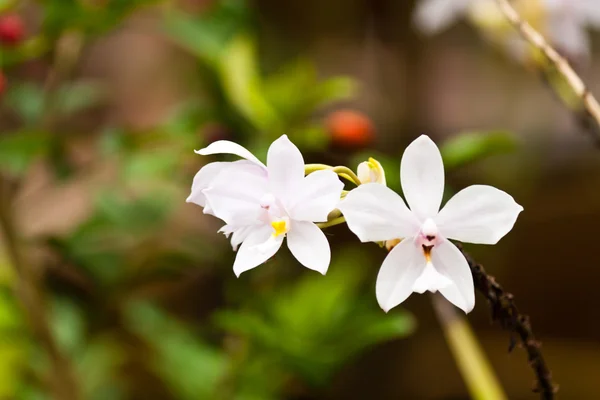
column 12, row 29
column 371, row 171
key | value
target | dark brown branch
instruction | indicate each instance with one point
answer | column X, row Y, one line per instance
column 505, row 311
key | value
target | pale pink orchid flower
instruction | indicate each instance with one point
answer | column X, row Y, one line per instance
column 261, row 205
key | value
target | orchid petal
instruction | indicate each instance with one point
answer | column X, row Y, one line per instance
column 238, row 234
column 432, row 16
column 202, row 180
column 204, row 177
column 478, row 214
column 235, row 194
column 286, row 168
column 374, row 212
column 319, row 194
column 227, row 147
column 449, row 261
column 431, row 280
column 568, row 33
column 398, row 273
column 309, row 245
column 422, row 177
column 259, row 246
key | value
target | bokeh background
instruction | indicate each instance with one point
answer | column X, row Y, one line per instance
column 112, row 287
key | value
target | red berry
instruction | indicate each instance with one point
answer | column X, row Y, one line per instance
column 350, row 128
column 12, row 29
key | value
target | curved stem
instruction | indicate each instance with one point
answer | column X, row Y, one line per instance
column 333, row 222
column 343, row 172
column 505, row 311
column 470, row 358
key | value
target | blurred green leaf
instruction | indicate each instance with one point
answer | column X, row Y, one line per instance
column 19, row 150
column 79, row 96
column 306, row 325
column 26, row 100
column 239, row 74
column 206, row 36
column 98, row 366
column 470, row 147
column 68, row 326
column 86, row 16
column 190, row 367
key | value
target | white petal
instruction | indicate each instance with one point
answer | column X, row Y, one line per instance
column 309, row 245
column 238, row 234
column 431, row 280
column 235, row 194
column 375, row 212
column 319, row 195
column 205, row 176
column 422, row 177
column 569, row 34
column 202, row 180
column 259, row 246
column 431, row 16
column 398, row 273
column 227, row 147
column 478, row 214
column 286, row 168
column 449, row 261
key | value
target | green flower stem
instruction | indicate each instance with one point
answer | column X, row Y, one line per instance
column 343, row 172
column 333, row 222
column 474, row 367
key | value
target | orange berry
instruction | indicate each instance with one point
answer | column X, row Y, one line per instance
column 350, row 128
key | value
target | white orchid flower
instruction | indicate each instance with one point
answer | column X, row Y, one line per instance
column 425, row 259
column 262, row 205
column 564, row 22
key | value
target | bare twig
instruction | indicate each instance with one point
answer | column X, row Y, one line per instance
column 29, row 292
column 562, row 66
column 505, row 311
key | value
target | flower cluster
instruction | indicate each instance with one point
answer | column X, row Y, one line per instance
column 262, row 205
column 564, row 22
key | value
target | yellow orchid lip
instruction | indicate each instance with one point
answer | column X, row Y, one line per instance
column 280, row 227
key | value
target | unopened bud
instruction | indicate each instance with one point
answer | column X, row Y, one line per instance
column 371, row 172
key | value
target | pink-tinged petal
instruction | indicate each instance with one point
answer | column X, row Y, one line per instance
column 238, row 234
column 309, row 245
column 202, row 180
column 205, row 176
column 258, row 247
column 235, row 194
column 375, row 212
column 422, row 177
column 319, row 194
column 432, row 16
column 286, row 168
column 449, row 261
column 478, row 214
column 569, row 34
column 398, row 273
column 227, row 147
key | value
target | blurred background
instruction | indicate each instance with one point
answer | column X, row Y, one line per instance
column 112, row 287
